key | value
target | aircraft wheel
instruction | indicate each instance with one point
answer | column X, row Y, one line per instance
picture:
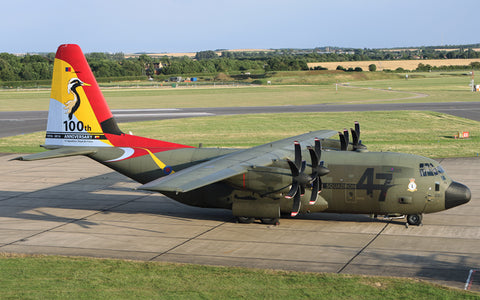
column 245, row 220
column 270, row 221
column 414, row 219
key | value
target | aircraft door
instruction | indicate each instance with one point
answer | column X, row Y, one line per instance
column 360, row 190
column 350, row 193
column 434, row 198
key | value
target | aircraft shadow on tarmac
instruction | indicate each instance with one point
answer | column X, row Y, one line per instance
column 104, row 194
column 109, row 193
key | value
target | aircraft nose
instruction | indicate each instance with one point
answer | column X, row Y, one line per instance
column 456, row 194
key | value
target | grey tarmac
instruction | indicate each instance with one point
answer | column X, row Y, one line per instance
column 74, row 206
column 23, row 122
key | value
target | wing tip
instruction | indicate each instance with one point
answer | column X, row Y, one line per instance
column 17, row 158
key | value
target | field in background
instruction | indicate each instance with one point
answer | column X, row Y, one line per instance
column 394, row 64
column 287, row 88
column 206, row 97
column 424, row 133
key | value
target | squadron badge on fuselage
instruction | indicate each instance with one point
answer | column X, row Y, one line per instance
column 412, row 186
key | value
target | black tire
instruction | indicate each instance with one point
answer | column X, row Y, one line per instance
column 270, row 221
column 245, row 220
column 414, row 219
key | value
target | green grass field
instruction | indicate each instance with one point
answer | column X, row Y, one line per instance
column 439, row 87
column 301, row 89
column 207, row 97
column 424, row 133
column 51, row 277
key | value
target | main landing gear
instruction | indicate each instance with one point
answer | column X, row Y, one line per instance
column 267, row 221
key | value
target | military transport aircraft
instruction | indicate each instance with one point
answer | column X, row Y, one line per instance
column 300, row 174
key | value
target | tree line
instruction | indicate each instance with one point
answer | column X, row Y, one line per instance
column 116, row 65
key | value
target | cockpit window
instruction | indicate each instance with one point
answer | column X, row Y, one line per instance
column 440, row 169
column 428, row 169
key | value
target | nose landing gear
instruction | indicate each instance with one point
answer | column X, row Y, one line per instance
column 414, row 220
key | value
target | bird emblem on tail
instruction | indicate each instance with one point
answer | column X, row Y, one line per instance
column 72, row 105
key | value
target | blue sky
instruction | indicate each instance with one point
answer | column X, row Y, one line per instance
column 190, row 26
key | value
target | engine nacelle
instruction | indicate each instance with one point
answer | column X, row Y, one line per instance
column 263, row 180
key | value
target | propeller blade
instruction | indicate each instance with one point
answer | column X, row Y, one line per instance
column 318, row 149
column 315, row 153
column 302, row 190
column 314, row 158
column 343, row 141
column 304, row 165
column 293, row 191
column 296, row 205
column 354, row 138
column 347, row 137
column 357, row 129
column 298, row 155
column 293, row 168
column 314, row 194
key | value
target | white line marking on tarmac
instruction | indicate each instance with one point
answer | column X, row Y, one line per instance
column 192, row 114
column 469, row 282
column 146, row 109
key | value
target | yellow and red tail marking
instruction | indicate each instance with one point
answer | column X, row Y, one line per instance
column 79, row 114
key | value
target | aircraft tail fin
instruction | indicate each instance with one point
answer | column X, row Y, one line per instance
column 78, row 113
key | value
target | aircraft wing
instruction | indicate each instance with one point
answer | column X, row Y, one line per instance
column 236, row 163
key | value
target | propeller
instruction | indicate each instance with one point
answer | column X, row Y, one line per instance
column 356, row 142
column 318, row 170
column 300, row 179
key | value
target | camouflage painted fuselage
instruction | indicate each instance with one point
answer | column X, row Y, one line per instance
column 359, row 182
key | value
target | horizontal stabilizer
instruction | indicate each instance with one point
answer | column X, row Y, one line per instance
column 60, row 152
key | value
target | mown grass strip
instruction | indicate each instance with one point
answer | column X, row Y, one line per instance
column 288, row 88
column 206, row 97
column 430, row 134
column 53, row 277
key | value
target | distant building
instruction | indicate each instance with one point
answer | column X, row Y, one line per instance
column 176, row 79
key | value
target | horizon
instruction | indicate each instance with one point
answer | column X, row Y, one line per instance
column 437, row 47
